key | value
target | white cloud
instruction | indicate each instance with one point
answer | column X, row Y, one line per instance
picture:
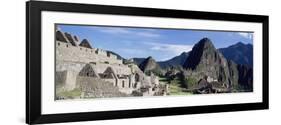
column 131, row 51
column 175, row 49
column 114, row 30
column 246, row 35
column 122, row 31
column 147, row 34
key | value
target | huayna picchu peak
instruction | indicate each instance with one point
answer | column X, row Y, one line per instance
column 205, row 60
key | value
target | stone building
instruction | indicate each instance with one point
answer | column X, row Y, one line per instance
column 79, row 63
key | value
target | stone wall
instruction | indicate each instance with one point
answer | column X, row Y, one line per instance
column 66, row 79
column 68, row 52
column 63, row 67
column 118, row 69
column 68, row 65
column 97, row 88
column 70, row 60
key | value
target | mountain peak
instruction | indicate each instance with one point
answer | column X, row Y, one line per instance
column 184, row 53
column 240, row 53
column 239, row 43
column 205, row 39
column 206, row 60
column 249, row 44
column 205, row 43
column 149, row 64
column 201, row 49
column 149, row 58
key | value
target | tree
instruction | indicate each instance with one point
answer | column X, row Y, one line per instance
column 189, row 82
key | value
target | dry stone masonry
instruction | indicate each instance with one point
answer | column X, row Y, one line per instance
column 93, row 72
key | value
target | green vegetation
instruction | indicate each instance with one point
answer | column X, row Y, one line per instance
column 163, row 79
column 70, row 94
column 156, row 71
column 176, row 89
column 189, row 82
column 240, row 88
column 176, row 80
column 175, row 85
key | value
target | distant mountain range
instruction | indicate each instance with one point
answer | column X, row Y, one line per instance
column 138, row 61
column 240, row 53
column 175, row 61
column 205, row 60
column 229, row 67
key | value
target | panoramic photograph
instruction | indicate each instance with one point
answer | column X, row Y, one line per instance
column 109, row 62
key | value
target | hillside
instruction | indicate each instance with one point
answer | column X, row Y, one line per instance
column 240, row 53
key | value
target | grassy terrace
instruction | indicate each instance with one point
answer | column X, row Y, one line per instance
column 62, row 93
column 174, row 86
column 175, row 89
column 75, row 93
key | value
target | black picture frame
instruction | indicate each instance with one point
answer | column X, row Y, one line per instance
column 34, row 62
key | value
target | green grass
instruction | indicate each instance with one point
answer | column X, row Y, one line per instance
column 163, row 79
column 174, row 86
column 189, row 82
column 70, row 94
column 175, row 89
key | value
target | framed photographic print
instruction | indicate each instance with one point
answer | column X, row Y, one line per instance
column 95, row 62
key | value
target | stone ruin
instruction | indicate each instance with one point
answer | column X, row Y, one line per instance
column 97, row 72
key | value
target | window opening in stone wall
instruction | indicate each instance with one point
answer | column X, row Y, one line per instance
column 123, row 83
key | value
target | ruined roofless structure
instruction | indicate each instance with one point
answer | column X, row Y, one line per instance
column 80, row 63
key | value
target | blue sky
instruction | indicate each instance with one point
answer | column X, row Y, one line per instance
column 161, row 44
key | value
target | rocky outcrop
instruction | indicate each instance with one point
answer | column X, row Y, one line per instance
column 204, row 60
column 233, row 72
column 150, row 65
column 245, row 75
column 203, row 52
